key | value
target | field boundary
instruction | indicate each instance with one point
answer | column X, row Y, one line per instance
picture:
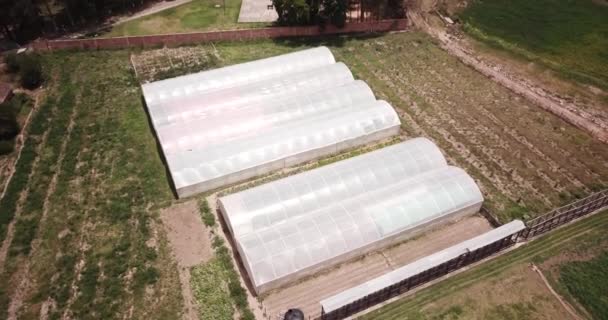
column 177, row 39
column 534, row 227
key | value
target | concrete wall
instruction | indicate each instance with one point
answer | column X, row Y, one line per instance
column 202, row 37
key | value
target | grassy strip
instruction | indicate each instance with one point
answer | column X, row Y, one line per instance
column 19, row 181
column 27, row 224
column 487, row 270
column 207, row 282
column 587, row 282
column 206, row 214
column 230, row 278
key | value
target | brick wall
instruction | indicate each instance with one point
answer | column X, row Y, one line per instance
column 201, row 37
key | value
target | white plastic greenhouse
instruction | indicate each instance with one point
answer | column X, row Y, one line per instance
column 235, row 75
column 298, row 225
column 227, row 125
column 212, row 103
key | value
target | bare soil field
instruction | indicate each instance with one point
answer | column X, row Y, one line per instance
column 307, row 294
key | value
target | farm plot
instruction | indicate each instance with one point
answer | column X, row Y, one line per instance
column 84, row 200
column 508, row 287
column 525, row 160
column 80, row 218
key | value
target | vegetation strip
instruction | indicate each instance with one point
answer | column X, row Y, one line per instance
column 218, row 279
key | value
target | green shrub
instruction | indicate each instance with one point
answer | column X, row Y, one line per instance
column 30, row 71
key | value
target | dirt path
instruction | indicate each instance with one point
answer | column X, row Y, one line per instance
column 157, row 7
column 566, row 306
column 190, row 246
column 569, row 112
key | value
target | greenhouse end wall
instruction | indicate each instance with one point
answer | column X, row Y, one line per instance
column 285, row 162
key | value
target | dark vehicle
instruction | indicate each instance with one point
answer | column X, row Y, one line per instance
column 294, row 314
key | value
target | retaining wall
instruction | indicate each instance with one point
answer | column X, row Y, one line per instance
column 230, row 35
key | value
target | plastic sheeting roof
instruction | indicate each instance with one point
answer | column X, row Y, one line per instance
column 209, row 104
column 299, row 194
column 252, row 118
column 300, row 222
column 355, row 293
column 322, row 130
column 226, row 125
column 235, row 75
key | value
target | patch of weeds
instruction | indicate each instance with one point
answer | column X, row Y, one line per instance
column 237, row 293
column 209, row 289
column 512, row 311
column 206, row 214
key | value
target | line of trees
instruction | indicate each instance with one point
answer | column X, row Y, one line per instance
column 336, row 12
column 22, row 20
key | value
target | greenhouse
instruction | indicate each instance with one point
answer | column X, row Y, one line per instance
column 230, row 124
column 211, row 103
column 251, row 118
column 196, row 83
column 295, row 226
column 257, row 153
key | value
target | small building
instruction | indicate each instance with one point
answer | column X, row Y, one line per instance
column 6, row 92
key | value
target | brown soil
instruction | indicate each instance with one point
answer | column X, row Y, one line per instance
column 592, row 121
column 185, row 228
column 190, row 245
column 307, row 294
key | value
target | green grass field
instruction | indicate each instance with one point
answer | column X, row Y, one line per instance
column 568, row 36
column 587, row 282
column 198, row 15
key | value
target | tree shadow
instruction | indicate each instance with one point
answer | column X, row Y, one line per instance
column 330, row 40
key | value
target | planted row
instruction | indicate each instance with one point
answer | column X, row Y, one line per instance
column 26, row 226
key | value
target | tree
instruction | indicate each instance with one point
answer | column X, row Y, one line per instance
column 292, row 12
column 30, row 71
column 334, row 11
column 395, row 9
